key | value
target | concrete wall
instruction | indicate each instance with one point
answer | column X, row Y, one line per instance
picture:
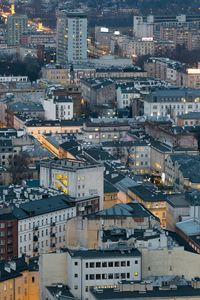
column 170, row 262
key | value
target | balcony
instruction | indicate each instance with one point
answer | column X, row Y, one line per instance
column 35, row 238
column 53, row 224
column 35, row 228
column 52, row 234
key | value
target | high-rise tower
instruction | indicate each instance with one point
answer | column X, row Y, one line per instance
column 71, row 37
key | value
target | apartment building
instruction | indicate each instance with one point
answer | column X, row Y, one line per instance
column 39, row 127
column 171, row 102
column 87, row 232
column 98, row 91
column 152, row 199
column 78, row 179
column 17, row 25
column 71, row 36
column 181, row 171
column 100, row 130
column 8, row 234
column 58, row 108
column 19, row 278
column 189, row 119
column 41, row 224
column 65, row 75
column 96, row 268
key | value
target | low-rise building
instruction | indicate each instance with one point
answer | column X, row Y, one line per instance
column 100, row 130
column 20, row 278
column 98, row 91
column 86, row 232
column 191, row 119
column 41, row 224
column 182, row 171
column 39, row 127
column 152, row 199
column 171, row 102
column 78, row 179
column 93, row 268
column 58, row 108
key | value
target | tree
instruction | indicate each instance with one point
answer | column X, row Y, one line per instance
column 19, row 167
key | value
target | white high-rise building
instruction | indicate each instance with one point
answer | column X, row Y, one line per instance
column 71, row 37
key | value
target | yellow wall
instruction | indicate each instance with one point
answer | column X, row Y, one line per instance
column 110, row 199
column 25, row 287
column 158, row 208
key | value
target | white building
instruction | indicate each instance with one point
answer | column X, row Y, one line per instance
column 58, row 108
column 41, row 224
column 76, row 178
column 141, row 28
column 96, row 268
column 71, row 37
column 126, row 96
column 172, row 102
column 13, row 79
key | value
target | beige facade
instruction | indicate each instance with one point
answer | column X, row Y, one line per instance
column 174, row 261
column 84, row 232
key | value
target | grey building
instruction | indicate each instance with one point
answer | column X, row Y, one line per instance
column 16, row 26
column 71, row 37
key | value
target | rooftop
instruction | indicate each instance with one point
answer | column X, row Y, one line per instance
column 92, row 254
column 148, row 193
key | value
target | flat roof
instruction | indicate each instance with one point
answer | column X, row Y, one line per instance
column 93, row 254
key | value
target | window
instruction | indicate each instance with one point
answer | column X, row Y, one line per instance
column 76, row 263
column 98, row 276
column 86, row 277
column 76, row 275
column 116, row 275
column 91, row 276
column 110, row 276
column 123, row 275
column 123, row 264
column 128, row 263
column 136, row 274
column 136, row 262
column 104, row 264
column 110, row 264
column 76, row 287
column 33, row 279
column 116, row 263
column 128, row 275
column 86, row 265
column 104, row 276
column 91, row 265
column 98, row 265
column 86, row 288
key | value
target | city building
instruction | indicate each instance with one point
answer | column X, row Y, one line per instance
column 67, row 74
column 189, row 119
column 105, row 129
column 181, row 171
column 39, row 127
column 93, row 268
column 41, row 224
column 152, row 199
column 162, row 287
column 76, row 178
column 87, row 232
column 20, row 278
column 17, row 25
column 58, row 108
column 172, row 102
column 71, row 37
column 98, row 91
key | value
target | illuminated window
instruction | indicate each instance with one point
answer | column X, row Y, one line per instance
column 135, row 273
